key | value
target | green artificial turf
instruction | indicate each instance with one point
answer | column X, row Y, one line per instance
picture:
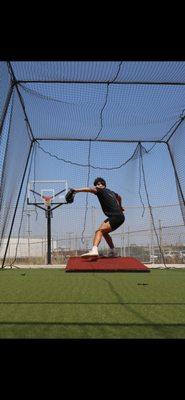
column 45, row 303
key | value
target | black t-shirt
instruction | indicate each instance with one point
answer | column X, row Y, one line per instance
column 109, row 204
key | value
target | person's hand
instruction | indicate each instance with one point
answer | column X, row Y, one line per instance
column 70, row 196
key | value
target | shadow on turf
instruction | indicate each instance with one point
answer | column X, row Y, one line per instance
column 113, row 324
column 90, row 303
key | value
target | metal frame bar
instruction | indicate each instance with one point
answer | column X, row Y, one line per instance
column 180, row 122
column 102, row 140
column 103, row 82
column 7, row 102
column 176, row 174
column 15, row 211
column 21, row 101
column 39, row 204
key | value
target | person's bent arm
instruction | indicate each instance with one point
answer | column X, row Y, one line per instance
column 85, row 190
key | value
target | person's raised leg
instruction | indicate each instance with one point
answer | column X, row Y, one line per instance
column 108, row 239
column 112, row 251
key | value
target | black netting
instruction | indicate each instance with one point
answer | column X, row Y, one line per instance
column 114, row 112
column 120, row 120
column 101, row 71
column 14, row 162
column 153, row 218
column 177, row 151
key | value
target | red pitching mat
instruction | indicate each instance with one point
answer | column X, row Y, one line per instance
column 125, row 264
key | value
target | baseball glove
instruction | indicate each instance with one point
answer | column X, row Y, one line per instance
column 70, row 196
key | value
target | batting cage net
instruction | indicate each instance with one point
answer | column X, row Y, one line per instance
column 75, row 121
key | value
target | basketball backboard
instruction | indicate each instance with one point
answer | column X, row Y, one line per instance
column 38, row 190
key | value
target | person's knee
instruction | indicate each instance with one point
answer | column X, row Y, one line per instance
column 105, row 231
column 100, row 229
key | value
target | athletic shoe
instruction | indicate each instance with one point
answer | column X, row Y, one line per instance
column 91, row 253
column 112, row 253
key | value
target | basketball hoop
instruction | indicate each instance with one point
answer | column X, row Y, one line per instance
column 47, row 200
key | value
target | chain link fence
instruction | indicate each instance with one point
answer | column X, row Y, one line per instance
column 135, row 238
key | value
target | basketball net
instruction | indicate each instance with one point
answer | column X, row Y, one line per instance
column 47, row 200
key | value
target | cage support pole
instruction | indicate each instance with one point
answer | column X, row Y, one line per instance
column 176, row 174
column 17, row 202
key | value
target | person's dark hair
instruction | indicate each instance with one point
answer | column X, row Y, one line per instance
column 101, row 180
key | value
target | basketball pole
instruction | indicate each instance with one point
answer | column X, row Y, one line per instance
column 48, row 213
column 48, row 234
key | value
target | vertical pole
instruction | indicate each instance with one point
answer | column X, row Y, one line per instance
column 128, row 241
column 124, row 254
column 160, row 235
column 28, row 215
column 7, row 102
column 151, row 235
column 48, row 234
column 17, row 202
column 42, row 247
column 176, row 174
column 121, row 245
column 76, row 252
